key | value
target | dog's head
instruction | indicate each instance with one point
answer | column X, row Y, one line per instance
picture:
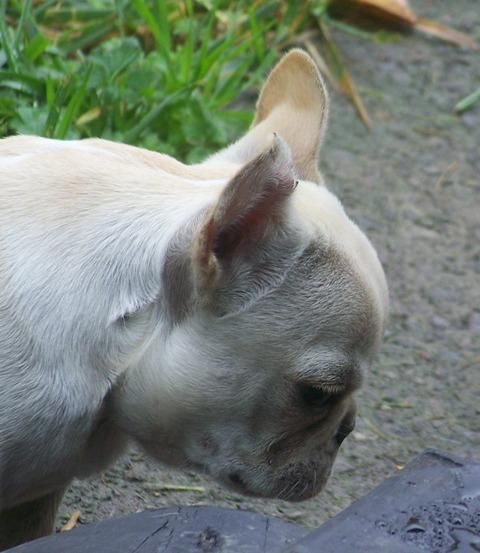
column 276, row 303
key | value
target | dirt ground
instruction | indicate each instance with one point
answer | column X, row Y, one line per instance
column 413, row 184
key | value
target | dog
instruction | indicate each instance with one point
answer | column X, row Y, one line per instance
column 221, row 315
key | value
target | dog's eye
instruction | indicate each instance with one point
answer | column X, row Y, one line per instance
column 313, row 397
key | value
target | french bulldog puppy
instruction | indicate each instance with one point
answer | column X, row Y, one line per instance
column 221, row 315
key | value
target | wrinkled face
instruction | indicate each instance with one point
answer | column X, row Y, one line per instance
column 262, row 397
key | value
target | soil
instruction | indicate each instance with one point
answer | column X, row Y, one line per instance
column 413, row 184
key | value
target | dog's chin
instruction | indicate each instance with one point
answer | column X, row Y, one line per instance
column 296, row 484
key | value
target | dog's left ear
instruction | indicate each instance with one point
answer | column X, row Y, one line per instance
column 294, row 103
column 249, row 208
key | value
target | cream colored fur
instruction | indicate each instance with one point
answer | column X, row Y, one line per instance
column 221, row 314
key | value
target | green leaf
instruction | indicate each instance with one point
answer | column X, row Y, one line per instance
column 30, row 120
column 35, row 47
column 21, row 81
column 116, row 55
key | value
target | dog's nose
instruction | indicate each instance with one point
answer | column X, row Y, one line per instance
column 346, row 426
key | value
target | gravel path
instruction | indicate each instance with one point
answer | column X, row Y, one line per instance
column 413, row 184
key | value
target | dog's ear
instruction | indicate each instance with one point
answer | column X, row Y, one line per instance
column 248, row 208
column 294, row 103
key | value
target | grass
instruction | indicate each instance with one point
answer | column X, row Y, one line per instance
column 162, row 74
column 158, row 74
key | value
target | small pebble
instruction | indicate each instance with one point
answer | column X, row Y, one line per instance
column 474, row 324
column 135, row 474
column 296, row 515
column 449, row 357
column 359, row 436
column 470, row 119
column 439, row 323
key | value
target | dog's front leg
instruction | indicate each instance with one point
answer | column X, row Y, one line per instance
column 29, row 521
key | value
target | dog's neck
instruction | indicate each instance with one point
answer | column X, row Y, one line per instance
column 153, row 232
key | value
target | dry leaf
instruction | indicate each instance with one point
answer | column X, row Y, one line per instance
column 319, row 60
column 398, row 12
column 445, row 33
column 392, row 12
column 71, row 523
column 340, row 76
column 89, row 116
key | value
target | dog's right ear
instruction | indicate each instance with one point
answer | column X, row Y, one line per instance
column 249, row 208
column 293, row 103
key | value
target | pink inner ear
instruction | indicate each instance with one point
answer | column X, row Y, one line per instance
column 251, row 202
column 228, row 239
column 250, row 226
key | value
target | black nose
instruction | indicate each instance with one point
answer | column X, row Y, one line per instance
column 346, row 426
column 235, row 478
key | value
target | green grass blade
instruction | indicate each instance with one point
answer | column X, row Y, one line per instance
column 200, row 66
column 25, row 13
column 73, row 106
column 256, row 34
column 90, row 37
column 50, row 92
column 256, row 75
column 133, row 134
column 154, row 25
column 160, row 29
column 231, row 85
column 468, row 102
column 34, row 85
column 211, row 80
column 7, row 45
column 55, row 108
column 45, row 5
column 217, row 50
column 187, row 49
column 79, row 14
column 163, row 25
